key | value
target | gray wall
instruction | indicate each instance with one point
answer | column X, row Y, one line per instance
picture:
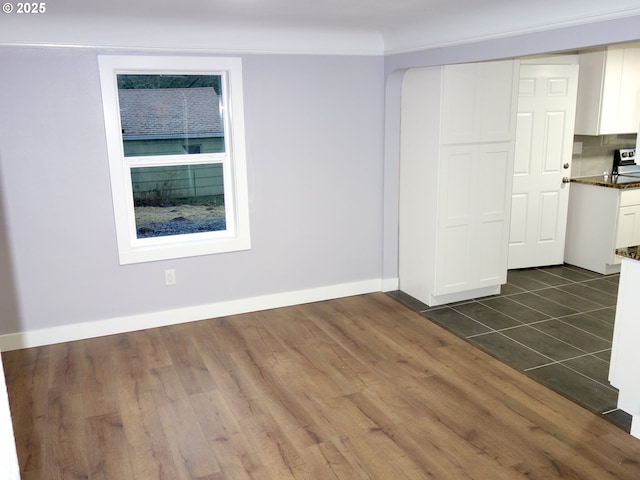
column 9, row 314
column 323, row 180
column 314, row 127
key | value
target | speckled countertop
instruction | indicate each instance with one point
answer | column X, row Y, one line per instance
column 622, row 182
column 629, row 252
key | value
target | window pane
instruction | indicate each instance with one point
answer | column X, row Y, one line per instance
column 176, row 200
column 171, row 114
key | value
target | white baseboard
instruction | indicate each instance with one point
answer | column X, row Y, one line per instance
column 390, row 284
column 111, row 326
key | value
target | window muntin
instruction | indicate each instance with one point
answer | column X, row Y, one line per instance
column 176, row 155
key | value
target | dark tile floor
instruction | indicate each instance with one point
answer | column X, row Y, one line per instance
column 553, row 323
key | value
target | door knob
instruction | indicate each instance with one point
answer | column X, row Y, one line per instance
column 566, row 179
column 566, row 165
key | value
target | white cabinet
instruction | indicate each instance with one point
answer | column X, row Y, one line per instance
column 8, row 460
column 455, row 180
column 625, row 354
column 471, row 217
column 477, row 104
column 601, row 220
column 628, row 228
column 609, row 91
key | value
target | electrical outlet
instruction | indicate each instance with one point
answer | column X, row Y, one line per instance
column 577, row 148
column 170, row 277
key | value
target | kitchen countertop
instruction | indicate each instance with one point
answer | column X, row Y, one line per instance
column 629, row 252
column 621, row 182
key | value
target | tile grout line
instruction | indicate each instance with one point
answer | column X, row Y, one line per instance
column 537, row 290
column 532, row 325
column 560, row 319
column 561, row 363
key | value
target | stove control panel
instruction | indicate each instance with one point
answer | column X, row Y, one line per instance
column 628, row 155
column 624, row 159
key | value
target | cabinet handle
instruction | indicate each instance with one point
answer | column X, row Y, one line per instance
column 566, row 165
column 566, row 179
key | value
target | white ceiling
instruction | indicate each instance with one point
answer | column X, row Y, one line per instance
column 402, row 25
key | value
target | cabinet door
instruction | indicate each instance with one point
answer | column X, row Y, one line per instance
column 479, row 102
column 609, row 91
column 455, row 266
column 473, row 213
column 628, row 227
column 498, row 97
column 621, row 93
column 493, row 184
column 590, row 88
column 459, row 104
column 629, row 113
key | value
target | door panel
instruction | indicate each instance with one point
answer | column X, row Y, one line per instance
column 496, row 123
column 524, row 135
column 460, row 84
column 453, row 271
column 544, row 140
column 491, row 175
column 457, row 272
column 491, row 243
column 458, row 171
column 548, row 231
column 554, row 138
column 518, row 229
column 477, row 182
column 477, row 108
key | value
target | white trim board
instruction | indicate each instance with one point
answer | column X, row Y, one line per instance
column 111, row 326
column 390, row 284
column 9, row 469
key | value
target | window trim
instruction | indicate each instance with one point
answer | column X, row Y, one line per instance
column 236, row 237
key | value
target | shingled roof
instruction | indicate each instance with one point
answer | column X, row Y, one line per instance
column 170, row 113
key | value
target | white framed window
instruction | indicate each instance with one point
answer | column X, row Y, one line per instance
column 176, row 145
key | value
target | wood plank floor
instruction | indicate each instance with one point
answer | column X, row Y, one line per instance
column 354, row 388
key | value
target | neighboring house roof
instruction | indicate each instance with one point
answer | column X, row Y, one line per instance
column 170, row 113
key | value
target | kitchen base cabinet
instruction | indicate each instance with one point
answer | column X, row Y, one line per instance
column 600, row 220
column 455, row 198
column 591, row 228
column 628, row 229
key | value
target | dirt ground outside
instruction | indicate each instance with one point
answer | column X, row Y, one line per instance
column 179, row 220
column 151, row 215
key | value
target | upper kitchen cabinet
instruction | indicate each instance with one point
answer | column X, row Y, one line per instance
column 475, row 106
column 609, row 91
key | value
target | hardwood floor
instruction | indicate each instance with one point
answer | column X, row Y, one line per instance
column 354, row 388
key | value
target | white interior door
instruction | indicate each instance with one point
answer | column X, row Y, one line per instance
column 544, row 142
